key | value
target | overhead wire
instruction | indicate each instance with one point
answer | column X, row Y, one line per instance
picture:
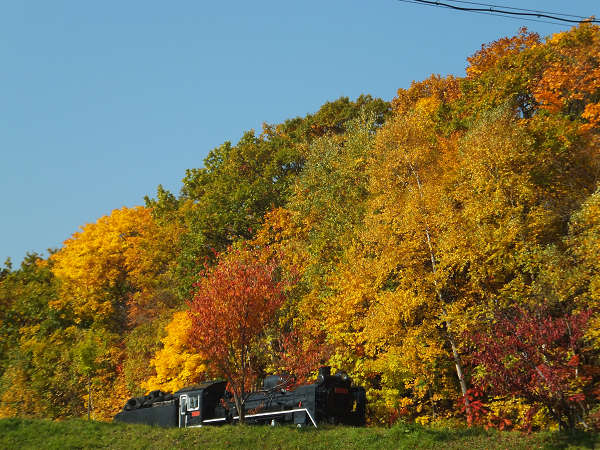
column 523, row 14
column 517, row 9
column 485, row 12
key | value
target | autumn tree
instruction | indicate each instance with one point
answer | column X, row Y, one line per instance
column 36, row 378
column 115, row 279
column 504, row 71
column 409, row 226
column 464, row 213
column 87, row 358
column 233, row 305
column 412, row 318
column 569, row 83
column 176, row 364
column 328, row 204
column 570, row 278
column 538, row 357
column 114, row 271
column 24, row 297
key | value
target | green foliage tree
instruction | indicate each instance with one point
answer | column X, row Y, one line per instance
column 87, row 353
column 34, row 375
column 226, row 200
column 328, row 205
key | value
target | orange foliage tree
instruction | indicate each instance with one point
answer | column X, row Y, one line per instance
column 571, row 81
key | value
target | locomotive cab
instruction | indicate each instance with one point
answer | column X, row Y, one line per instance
column 200, row 404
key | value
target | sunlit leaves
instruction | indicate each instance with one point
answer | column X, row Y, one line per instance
column 405, row 227
column 110, row 269
column 176, row 364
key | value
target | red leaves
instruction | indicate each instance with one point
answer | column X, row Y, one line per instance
column 536, row 357
column 474, row 407
column 580, row 397
column 302, row 354
column 233, row 305
column 574, row 361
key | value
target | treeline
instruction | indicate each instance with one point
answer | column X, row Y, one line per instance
column 444, row 251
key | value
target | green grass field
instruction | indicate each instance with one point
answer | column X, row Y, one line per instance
column 75, row 433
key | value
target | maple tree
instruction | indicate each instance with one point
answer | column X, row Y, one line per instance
column 232, row 307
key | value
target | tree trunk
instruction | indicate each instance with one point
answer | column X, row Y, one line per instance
column 459, row 372
column 240, row 408
column 89, row 406
column 455, row 354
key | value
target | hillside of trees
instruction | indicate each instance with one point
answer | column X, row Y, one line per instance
column 442, row 248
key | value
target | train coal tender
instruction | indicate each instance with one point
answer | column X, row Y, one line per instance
column 332, row 399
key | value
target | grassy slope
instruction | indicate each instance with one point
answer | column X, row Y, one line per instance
column 25, row 433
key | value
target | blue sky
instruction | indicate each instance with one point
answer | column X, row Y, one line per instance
column 103, row 101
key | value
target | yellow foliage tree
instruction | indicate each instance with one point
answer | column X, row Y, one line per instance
column 115, row 278
column 176, row 365
column 411, row 328
column 113, row 271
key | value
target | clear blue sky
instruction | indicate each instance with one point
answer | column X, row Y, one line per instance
column 103, row 101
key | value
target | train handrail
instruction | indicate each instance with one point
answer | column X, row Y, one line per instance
column 264, row 414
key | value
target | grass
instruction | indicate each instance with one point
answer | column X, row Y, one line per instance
column 76, row 433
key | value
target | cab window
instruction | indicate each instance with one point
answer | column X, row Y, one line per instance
column 193, row 402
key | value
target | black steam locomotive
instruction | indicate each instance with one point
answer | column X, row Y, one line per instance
column 332, row 399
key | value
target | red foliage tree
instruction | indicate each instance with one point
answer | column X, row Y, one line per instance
column 233, row 306
column 301, row 355
column 539, row 358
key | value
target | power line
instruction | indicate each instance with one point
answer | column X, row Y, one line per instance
column 492, row 10
column 517, row 9
column 487, row 13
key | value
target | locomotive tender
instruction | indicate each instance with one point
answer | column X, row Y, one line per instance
column 331, row 399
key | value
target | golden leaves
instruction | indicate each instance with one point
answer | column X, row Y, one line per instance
column 176, row 364
column 119, row 255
